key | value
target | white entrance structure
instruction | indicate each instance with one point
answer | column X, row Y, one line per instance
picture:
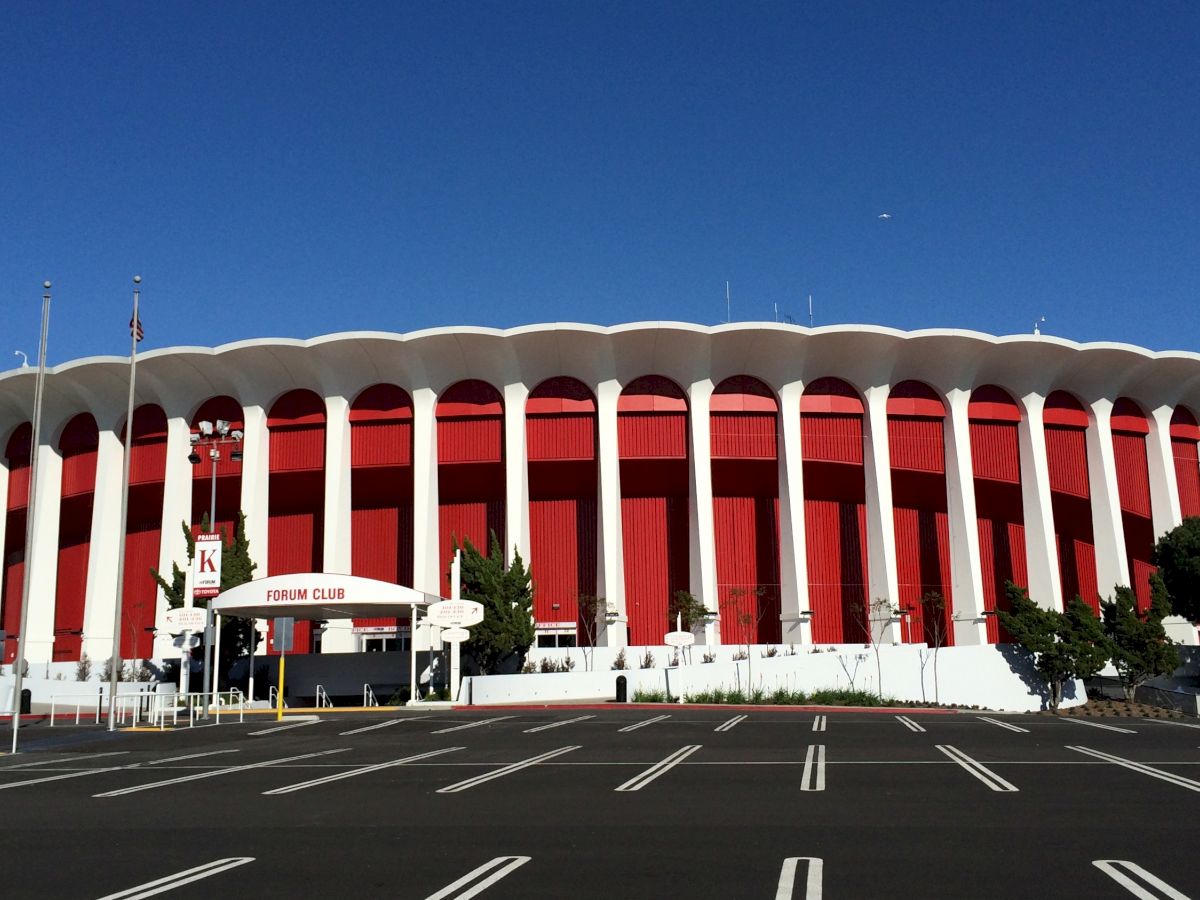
column 322, row 596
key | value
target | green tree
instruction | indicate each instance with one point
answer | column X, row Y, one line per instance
column 1141, row 649
column 1177, row 555
column 1063, row 645
column 507, row 596
column 693, row 613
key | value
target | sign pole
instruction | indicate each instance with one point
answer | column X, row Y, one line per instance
column 412, row 656
column 250, row 682
column 216, row 683
column 279, row 698
column 456, row 646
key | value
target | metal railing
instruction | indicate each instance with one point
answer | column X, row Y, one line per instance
column 273, row 698
column 369, row 698
column 322, row 698
column 151, row 707
column 80, row 702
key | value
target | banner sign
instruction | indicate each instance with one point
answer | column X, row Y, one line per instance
column 206, row 566
column 185, row 618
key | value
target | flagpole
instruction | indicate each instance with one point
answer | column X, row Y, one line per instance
column 115, row 659
column 39, row 384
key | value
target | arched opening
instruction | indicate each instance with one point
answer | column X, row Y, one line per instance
column 223, row 515
column 16, row 458
column 835, row 516
column 1185, row 437
column 143, row 530
column 995, row 420
column 471, row 478
column 296, row 505
column 381, row 501
column 1065, row 423
column 78, row 446
column 745, row 481
column 560, row 431
column 652, row 443
column 1129, row 430
column 916, row 441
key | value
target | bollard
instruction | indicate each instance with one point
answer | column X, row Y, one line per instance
column 622, row 690
column 26, row 701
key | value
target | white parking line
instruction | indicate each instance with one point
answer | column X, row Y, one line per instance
column 373, row 727
column 909, row 723
column 1173, row 722
column 728, row 726
column 64, row 762
column 170, row 759
column 636, row 725
column 978, row 769
column 1113, row 869
column 17, row 784
column 1170, row 778
column 1099, row 725
column 814, row 768
column 472, row 724
column 506, row 770
column 312, row 721
column 1007, row 725
column 557, row 724
column 787, row 879
column 659, row 768
column 507, row 865
column 315, row 782
column 179, row 879
column 214, row 772
column 819, row 724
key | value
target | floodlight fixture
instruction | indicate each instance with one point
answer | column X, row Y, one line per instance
column 206, row 428
column 222, row 427
column 194, row 458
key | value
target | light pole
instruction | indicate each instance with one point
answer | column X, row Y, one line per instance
column 210, row 439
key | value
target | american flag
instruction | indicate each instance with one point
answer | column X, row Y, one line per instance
column 135, row 328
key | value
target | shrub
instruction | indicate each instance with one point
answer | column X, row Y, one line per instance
column 740, row 655
column 710, row 656
column 620, row 662
column 647, row 659
column 83, row 668
column 770, row 652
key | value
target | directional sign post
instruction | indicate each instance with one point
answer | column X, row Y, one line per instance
column 284, row 627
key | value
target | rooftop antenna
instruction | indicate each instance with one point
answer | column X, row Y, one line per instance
column 1037, row 326
column 810, row 315
column 727, row 318
column 776, row 310
column 24, row 358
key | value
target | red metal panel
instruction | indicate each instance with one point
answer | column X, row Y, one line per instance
column 749, row 435
column 74, row 537
column 475, row 439
column 922, row 566
column 1002, row 558
column 562, row 555
column 382, row 542
column 835, row 438
column 382, row 403
column 1076, row 551
column 743, row 393
column 1063, row 409
column 1183, row 424
column 654, row 537
column 836, row 548
column 379, row 442
column 14, row 572
column 297, row 448
column 990, row 403
column 78, row 448
column 149, row 462
column 1187, row 474
column 1066, row 454
column 831, row 395
column 912, row 398
column 564, row 436
column 995, row 453
column 295, row 529
column 1128, row 416
column 142, row 538
column 652, row 393
column 652, row 435
column 747, row 550
column 1141, row 571
column 17, row 461
column 916, row 443
column 1133, row 477
column 472, row 521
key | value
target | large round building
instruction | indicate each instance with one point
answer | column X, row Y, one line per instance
column 784, row 476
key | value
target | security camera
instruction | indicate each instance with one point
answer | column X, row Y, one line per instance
column 194, row 438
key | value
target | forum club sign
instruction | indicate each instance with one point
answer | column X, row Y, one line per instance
column 317, row 595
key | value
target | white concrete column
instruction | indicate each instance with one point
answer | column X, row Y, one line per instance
column 42, row 558
column 1108, row 531
column 1041, row 551
column 101, row 593
column 336, row 541
column 516, row 473
column 702, row 555
column 1164, row 487
column 176, row 510
column 610, row 574
column 426, row 565
column 966, row 568
column 793, row 558
column 882, row 577
column 256, row 490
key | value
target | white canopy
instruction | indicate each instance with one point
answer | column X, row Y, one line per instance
column 315, row 595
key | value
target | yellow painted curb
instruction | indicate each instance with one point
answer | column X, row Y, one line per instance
column 146, row 729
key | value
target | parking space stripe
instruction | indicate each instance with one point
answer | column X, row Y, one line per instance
column 71, row 759
column 812, row 883
column 636, row 725
column 170, row 759
column 316, row 782
column 819, row 724
column 557, row 724
column 215, row 772
column 373, row 727
column 1007, row 725
column 1074, row 721
column 978, row 769
column 179, row 879
column 1170, row 778
column 507, row 865
column 312, row 721
column 1113, row 869
column 1173, row 722
column 506, row 770
column 472, row 724
column 909, row 723
column 48, row 778
column 814, row 768
column 659, row 768
column 728, row 726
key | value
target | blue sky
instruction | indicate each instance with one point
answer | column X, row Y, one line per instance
column 302, row 168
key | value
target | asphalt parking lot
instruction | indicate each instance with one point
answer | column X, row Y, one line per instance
column 610, row 803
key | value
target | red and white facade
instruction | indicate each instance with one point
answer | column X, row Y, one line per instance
column 784, row 476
